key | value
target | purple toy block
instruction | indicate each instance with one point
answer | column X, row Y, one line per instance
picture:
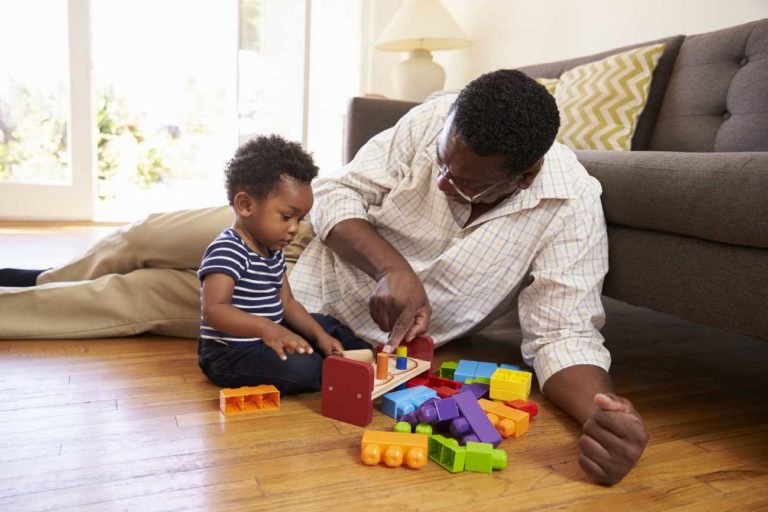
column 433, row 411
column 477, row 421
column 478, row 389
column 410, row 418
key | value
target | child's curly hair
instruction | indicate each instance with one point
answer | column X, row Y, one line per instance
column 260, row 163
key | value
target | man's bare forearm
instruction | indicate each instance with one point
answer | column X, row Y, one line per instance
column 355, row 241
column 573, row 389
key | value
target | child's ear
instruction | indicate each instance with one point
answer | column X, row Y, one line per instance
column 244, row 204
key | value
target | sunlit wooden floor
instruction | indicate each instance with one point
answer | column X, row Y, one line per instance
column 132, row 424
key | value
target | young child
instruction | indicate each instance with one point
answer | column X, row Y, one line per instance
column 252, row 329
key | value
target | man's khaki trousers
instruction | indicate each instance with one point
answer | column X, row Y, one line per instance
column 141, row 278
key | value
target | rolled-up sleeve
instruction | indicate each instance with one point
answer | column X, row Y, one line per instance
column 378, row 167
column 561, row 311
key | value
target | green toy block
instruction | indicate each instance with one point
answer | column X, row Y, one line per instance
column 424, row 428
column 403, row 426
column 484, row 458
column 447, row 369
column 447, row 452
column 482, row 380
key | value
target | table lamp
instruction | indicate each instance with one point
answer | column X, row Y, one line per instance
column 419, row 27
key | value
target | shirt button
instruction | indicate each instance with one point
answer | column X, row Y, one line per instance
column 743, row 61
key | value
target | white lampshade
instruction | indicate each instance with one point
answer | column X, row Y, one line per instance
column 422, row 24
column 419, row 27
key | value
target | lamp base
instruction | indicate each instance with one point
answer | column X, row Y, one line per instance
column 418, row 76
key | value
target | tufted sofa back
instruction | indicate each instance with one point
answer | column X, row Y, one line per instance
column 717, row 96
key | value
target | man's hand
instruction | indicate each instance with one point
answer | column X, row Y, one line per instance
column 399, row 305
column 328, row 345
column 282, row 340
column 613, row 439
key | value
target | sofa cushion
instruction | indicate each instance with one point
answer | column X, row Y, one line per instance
column 601, row 101
column 550, row 84
column 713, row 196
column 717, row 98
column 645, row 124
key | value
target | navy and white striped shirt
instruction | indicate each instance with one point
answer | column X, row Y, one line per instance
column 258, row 281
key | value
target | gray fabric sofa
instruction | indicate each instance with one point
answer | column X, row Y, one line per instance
column 687, row 208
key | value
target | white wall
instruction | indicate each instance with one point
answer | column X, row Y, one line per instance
column 513, row 33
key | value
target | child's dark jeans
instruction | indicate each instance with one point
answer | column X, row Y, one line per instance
column 232, row 366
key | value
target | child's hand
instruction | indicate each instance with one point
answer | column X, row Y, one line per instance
column 613, row 439
column 282, row 340
column 328, row 344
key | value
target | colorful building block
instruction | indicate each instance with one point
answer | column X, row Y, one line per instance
column 434, row 410
column 447, row 369
column 510, row 385
column 478, row 371
column 507, row 421
column 465, row 370
column 394, row 449
column 423, row 428
column 249, row 399
column 447, row 452
column 528, row 406
column 402, row 426
column 473, row 424
column 484, row 458
column 478, row 389
column 444, row 387
column 399, row 403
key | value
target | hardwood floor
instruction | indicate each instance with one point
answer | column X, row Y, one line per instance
column 132, row 424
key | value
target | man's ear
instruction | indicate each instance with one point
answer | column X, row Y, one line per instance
column 526, row 179
column 244, row 204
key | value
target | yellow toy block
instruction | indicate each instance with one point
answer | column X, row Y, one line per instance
column 510, row 385
column 394, row 447
column 506, row 420
column 249, row 399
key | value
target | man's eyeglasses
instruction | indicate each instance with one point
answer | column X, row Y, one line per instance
column 445, row 174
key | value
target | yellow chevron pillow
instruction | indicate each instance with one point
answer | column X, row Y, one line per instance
column 549, row 83
column 601, row 101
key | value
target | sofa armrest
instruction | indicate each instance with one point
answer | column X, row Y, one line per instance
column 368, row 116
column 713, row 196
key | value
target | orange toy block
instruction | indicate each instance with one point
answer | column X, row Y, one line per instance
column 506, row 420
column 249, row 399
column 394, row 448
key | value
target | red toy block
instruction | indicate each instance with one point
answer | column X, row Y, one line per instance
column 444, row 387
column 348, row 387
column 524, row 405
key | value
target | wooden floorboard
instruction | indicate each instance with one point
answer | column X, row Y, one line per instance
column 132, row 424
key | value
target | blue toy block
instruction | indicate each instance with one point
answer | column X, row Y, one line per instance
column 399, row 403
column 465, row 370
column 473, row 425
column 510, row 367
column 485, row 370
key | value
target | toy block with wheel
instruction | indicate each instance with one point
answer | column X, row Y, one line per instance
column 507, row 420
column 394, row 448
column 349, row 386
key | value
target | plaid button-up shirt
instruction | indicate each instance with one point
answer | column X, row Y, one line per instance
column 544, row 248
